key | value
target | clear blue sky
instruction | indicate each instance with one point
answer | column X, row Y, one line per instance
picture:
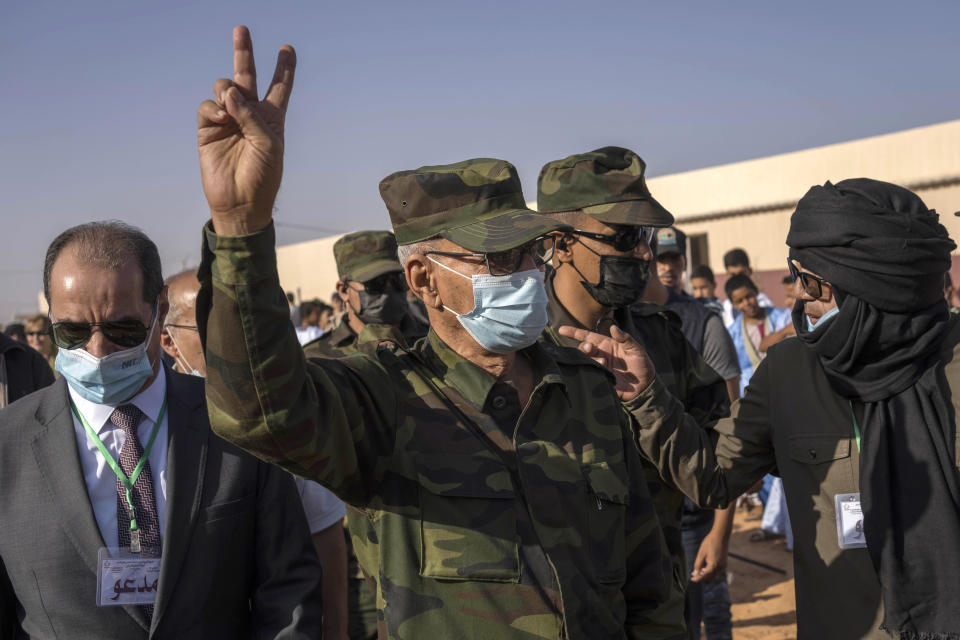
column 98, row 99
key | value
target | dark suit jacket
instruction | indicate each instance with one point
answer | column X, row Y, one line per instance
column 238, row 561
column 26, row 370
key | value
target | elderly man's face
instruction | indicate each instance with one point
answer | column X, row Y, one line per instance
column 80, row 292
column 815, row 308
column 180, row 337
column 457, row 292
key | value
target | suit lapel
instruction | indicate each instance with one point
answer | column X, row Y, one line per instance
column 188, row 430
column 55, row 450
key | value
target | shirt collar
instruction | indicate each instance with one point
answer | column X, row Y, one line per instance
column 472, row 382
column 149, row 401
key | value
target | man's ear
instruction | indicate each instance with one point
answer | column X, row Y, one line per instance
column 422, row 281
column 168, row 344
column 342, row 289
column 563, row 250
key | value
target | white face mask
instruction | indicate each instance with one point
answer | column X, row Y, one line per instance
column 112, row 379
column 187, row 369
column 509, row 312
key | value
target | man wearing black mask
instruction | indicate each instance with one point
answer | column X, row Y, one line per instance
column 857, row 415
column 599, row 270
column 374, row 291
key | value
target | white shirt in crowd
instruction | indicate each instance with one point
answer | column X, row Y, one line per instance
column 99, row 477
column 308, row 333
column 322, row 508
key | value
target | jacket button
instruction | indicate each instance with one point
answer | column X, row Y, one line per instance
column 499, row 402
column 813, row 454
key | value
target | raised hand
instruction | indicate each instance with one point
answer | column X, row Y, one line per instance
column 619, row 353
column 240, row 140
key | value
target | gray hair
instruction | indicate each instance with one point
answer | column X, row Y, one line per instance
column 108, row 245
column 571, row 217
column 404, row 251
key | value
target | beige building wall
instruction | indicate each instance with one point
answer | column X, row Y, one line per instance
column 307, row 269
column 748, row 204
column 744, row 204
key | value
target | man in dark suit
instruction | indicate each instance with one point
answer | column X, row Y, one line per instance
column 22, row 370
column 236, row 555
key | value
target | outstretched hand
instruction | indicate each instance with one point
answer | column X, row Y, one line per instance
column 621, row 354
column 240, row 140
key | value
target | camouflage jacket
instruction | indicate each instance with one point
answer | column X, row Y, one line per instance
column 535, row 526
column 689, row 379
column 343, row 340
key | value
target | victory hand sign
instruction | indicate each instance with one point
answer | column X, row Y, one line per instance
column 240, row 139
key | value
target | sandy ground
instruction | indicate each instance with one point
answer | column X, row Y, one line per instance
column 763, row 600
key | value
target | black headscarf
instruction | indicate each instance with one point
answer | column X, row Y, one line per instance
column 886, row 254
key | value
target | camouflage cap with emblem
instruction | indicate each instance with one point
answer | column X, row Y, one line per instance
column 477, row 204
column 606, row 184
column 365, row 255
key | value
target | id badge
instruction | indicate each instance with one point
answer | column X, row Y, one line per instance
column 125, row 578
column 849, row 521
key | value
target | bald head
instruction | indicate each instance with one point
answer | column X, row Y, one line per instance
column 182, row 289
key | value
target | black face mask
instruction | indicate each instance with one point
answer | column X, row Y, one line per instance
column 385, row 308
column 622, row 280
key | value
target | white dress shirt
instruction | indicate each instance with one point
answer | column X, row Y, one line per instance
column 100, row 479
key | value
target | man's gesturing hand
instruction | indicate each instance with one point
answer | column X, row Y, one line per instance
column 240, row 139
column 619, row 353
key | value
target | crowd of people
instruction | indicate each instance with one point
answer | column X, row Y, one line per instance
column 507, row 424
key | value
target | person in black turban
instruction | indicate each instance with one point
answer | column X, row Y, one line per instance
column 885, row 255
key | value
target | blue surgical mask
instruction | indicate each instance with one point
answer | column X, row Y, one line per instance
column 509, row 312
column 110, row 380
column 823, row 319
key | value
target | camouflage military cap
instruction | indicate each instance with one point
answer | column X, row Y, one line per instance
column 477, row 204
column 606, row 184
column 364, row 255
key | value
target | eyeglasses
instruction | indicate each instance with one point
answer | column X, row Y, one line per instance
column 36, row 334
column 123, row 333
column 503, row 263
column 811, row 284
column 626, row 238
column 388, row 281
column 182, row 326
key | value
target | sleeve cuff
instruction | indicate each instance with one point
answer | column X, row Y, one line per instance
column 651, row 404
column 240, row 260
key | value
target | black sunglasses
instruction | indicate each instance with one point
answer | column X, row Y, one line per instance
column 504, row 263
column 811, row 284
column 626, row 238
column 387, row 282
column 123, row 333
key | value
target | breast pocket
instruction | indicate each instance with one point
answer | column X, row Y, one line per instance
column 468, row 520
column 607, row 505
column 818, row 462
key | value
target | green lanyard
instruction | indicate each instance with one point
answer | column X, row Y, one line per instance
column 856, row 427
column 121, row 476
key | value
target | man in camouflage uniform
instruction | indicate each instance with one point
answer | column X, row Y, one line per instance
column 374, row 290
column 504, row 489
column 375, row 293
column 599, row 269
